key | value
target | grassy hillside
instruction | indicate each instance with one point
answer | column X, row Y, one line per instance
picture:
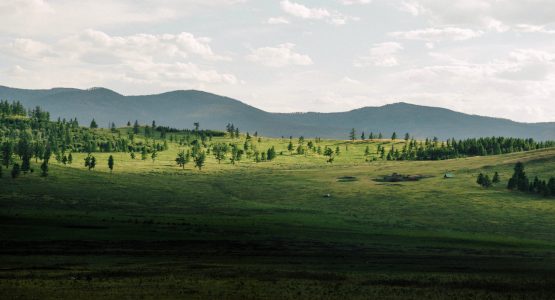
column 181, row 108
column 265, row 230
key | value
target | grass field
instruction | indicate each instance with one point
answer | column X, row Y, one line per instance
column 265, row 230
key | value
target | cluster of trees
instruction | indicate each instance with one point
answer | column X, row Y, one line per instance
column 12, row 109
column 372, row 136
column 232, row 130
column 436, row 150
column 486, row 181
column 520, row 182
column 28, row 134
column 222, row 151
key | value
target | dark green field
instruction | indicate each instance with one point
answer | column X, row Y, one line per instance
column 256, row 231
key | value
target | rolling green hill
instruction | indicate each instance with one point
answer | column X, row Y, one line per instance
column 269, row 230
column 181, row 108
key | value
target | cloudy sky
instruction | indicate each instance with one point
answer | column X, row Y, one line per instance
column 488, row 57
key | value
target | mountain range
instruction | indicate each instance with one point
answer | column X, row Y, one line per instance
column 180, row 109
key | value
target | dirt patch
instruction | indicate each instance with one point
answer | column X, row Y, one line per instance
column 395, row 177
column 347, row 179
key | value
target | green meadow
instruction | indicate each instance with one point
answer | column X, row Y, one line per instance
column 296, row 227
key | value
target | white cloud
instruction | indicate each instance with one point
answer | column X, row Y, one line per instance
column 349, row 80
column 352, row 2
column 280, row 56
column 304, row 12
column 381, row 55
column 301, row 11
column 140, row 58
column 533, row 29
column 438, row 34
column 480, row 12
column 277, row 20
column 412, row 7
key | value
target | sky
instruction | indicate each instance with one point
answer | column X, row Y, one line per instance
column 486, row 57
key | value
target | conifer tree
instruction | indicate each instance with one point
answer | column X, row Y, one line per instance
column 136, row 127
column 290, row 147
column 93, row 124
column 496, row 178
column 111, row 163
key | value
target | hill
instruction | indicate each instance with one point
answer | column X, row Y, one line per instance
column 181, row 108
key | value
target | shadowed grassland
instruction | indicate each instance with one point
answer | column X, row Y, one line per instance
column 251, row 231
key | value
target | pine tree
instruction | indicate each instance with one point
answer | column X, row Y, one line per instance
column 93, row 124
column 111, row 163
column 136, row 127
column 154, row 155
column 496, row 178
column 352, row 135
column 362, row 136
column 394, row 136
column 290, row 147
column 70, row 159
column 487, row 182
column 480, row 179
column 271, row 153
column 407, row 137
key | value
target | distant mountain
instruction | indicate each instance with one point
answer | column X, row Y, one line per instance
column 181, row 108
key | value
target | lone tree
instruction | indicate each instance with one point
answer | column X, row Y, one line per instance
column 93, row 124
column 394, row 136
column 219, row 151
column 329, row 153
column 111, row 163
column 136, row 127
column 519, row 180
column 154, row 155
column 352, row 135
column 182, row 159
column 90, row 162
column 199, row 160
column 69, row 159
column 290, row 147
column 496, row 178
